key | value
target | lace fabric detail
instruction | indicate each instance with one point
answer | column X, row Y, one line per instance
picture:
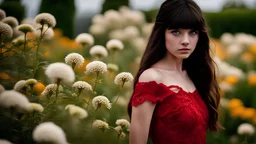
column 179, row 117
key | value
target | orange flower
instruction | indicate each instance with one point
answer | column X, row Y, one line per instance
column 4, row 75
column 252, row 79
column 247, row 57
column 39, row 88
column 253, row 49
column 234, row 103
column 248, row 113
column 231, row 80
column 237, row 112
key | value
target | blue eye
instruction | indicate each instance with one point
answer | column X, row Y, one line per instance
column 175, row 32
column 194, row 32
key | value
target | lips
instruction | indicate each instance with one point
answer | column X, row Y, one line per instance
column 184, row 49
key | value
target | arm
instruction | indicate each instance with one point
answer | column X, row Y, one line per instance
column 140, row 122
column 142, row 114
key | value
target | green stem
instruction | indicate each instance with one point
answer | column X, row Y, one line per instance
column 113, row 56
column 25, row 39
column 57, row 89
column 121, row 88
column 94, row 87
column 37, row 50
column 79, row 93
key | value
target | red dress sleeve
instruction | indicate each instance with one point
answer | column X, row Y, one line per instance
column 149, row 91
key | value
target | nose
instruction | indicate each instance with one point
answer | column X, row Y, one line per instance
column 185, row 40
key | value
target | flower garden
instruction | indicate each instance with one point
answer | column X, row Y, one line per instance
column 59, row 90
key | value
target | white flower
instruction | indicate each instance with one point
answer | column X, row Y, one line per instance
column 5, row 30
column 245, row 39
column 224, row 102
column 122, row 78
column 97, row 29
column 227, row 39
column 113, row 19
column 112, row 67
column 140, row 44
column 51, row 89
column 76, row 111
column 115, row 45
column 147, row 29
column 2, row 88
column 123, row 123
column 85, row 39
column 2, row 14
column 28, row 21
column 45, row 18
column 47, row 33
column 99, row 51
column 96, row 67
column 226, row 87
column 99, row 101
column 11, row 98
column 117, row 34
column 118, row 129
column 234, row 50
column 122, row 136
column 60, row 72
column 25, row 28
column 74, row 59
column 98, row 19
column 82, row 85
column 11, row 21
column 19, row 40
column 100, row 124
column 48, row 132
column 131, row 32
column 245, row 129
column 35, row 107
column 133, row 17
column 21, row 86
column 2, row 141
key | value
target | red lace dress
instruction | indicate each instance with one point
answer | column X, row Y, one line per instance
column 179, row 117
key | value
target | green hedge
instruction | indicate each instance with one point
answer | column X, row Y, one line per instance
column 230, row 20
column 113, row 4
column 63, row 11
column 13, row 8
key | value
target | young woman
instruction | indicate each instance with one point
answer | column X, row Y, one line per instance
column 176, row 96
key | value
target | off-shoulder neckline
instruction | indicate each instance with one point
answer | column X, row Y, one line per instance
column 169, row 86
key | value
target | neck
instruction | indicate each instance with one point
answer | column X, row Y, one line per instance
column 172, row 63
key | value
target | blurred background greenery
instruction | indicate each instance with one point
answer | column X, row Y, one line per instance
column 232, row 30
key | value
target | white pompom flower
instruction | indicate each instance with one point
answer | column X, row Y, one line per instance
column 59, row 72
column 48, row 132
column 11, row 98
column 123, row 123
column 45, row 19
column 122, row 78
column 97, row 29
column 98, row 51
column 76, row 111
column 85, row 39
column 99, row 101
column 245, row 129
column 112, row 67
column 21, row 86
column 96, row 67
column 50, row 90
column 100, row 124
column 115, row 45
column 11, row 21
column 74, row 59
column 82, row 85
column 2, row 14
column 25, row 28
column 5, row 30
column 122, row 136
column 34, row 107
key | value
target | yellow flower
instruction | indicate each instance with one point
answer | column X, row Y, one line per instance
column 237, row 112
column 247, row 57
column 252, row 79
column 231, row 80
column 39, row 88
column 234, row 103
column 253, row 49
column 248, row 113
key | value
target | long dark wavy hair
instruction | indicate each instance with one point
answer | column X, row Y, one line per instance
column 174, row 14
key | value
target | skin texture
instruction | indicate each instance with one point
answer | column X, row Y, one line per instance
column 167, row 71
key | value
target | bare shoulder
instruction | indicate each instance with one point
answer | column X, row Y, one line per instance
column 150, row 74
